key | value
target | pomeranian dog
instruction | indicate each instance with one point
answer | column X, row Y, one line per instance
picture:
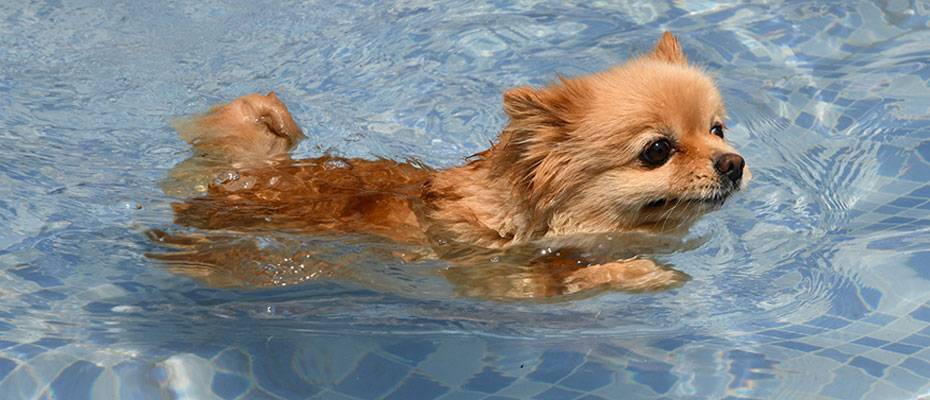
column 639, row 148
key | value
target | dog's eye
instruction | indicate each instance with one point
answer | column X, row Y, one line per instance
column 717, row 129
column 657, row 153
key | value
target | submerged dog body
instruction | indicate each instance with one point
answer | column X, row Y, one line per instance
column 637, row 148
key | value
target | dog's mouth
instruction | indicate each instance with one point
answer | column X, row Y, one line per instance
column 713, row 201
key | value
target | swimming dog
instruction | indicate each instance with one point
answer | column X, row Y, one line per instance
column 638, row 148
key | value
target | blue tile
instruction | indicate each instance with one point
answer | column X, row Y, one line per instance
column 871, row 296
column 870, row 342
column 902, row 348
column 917, row 340
column 846, row 301
column 75, row 381
column 5, row 367
column 923, row 192
column 51, row 343
column 654, row 374
column 869, row 365
column 828, row 322
column 919, row 367
column 590, row 376
column 747, row 367
column 414, row 351
column 591, row 397
column 889, row 209
column 50, row 295
column 848, row 383
column 229, row 386
column 373, row 377
column 258, row 394
column 897, row 220
column 418, row 387
column 145, row 380
column 834, row 354
column 804, row 330
column 905, row 380
column 879, row 319
column 668, row 344
column 907, row 202
column 35, row 274
column 26, row 351
column 807, row 348
column 805, row 120
column 922, row 313
column 488, row 381
column 781, row 334
column 233, row 360
column 924, row 150
column 557, row 393
column 555, row 365
column 272, row 368
column 672, row 343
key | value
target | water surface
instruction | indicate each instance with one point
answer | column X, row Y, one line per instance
column 814, row 282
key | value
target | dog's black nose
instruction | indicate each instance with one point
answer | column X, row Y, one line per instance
column 731, row 166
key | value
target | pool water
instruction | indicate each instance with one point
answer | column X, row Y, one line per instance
column 813, row 283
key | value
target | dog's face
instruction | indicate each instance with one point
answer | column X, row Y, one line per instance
column 639, row 147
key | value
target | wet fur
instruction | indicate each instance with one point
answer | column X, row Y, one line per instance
column 566, row 163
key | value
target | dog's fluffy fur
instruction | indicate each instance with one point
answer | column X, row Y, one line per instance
column 568, row 162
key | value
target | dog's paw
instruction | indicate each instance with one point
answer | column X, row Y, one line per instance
column 635, row 275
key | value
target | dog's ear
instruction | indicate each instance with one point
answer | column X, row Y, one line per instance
column 524, row 103
column 669, row 50
column 555, row 105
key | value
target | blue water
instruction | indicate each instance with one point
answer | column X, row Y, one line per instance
column 816, row 283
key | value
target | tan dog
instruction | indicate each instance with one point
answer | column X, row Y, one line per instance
column 637, row 148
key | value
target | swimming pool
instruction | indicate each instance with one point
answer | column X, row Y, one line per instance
column 816, row 283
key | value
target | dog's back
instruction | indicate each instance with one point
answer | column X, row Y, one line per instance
column 325, row 194
column 248, row 182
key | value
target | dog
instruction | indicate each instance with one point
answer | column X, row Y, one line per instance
column 637, row 150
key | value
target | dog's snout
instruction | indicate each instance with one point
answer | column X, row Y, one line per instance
column 731, row 166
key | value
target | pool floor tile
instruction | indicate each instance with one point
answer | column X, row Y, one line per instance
column 589, row 376
column 555, row 365
column 418, row 387
column 905, row 379
column 848, row 383
column 489, row 381
column 869, row 365
column 373, row 377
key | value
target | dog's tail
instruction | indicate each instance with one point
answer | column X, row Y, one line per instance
column 249, row 132
column 252, row 128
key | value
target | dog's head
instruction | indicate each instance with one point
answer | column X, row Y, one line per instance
column 641, row 146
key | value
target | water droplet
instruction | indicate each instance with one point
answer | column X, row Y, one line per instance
column 496, row 259
column 226, row 177
column 335, row 164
